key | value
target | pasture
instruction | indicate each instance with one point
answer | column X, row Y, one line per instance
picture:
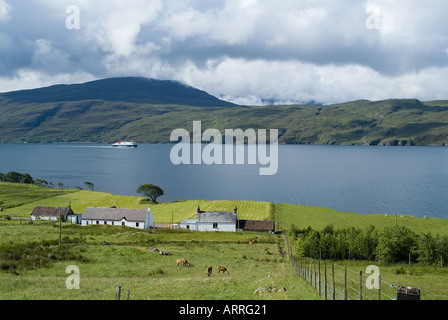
column 33, row 264
column 111, row 256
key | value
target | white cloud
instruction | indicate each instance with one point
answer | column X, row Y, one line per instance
column 292, row 81
column 294, row 50
column 5, row 10
column 30, row 79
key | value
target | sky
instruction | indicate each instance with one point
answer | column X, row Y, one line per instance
column 249, row 52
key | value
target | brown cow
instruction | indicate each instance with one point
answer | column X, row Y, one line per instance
column 209, row 271
column 182, row 262
column 222, row 269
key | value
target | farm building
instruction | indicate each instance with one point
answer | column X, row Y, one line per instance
column 212, row 221
column 225, row 221
column 135, row 218
column 53, row 213
column 256, row 226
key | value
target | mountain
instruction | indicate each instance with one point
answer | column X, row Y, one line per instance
column 147, row 111
column 131, row 89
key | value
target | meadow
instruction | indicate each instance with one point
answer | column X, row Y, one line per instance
column 33, row 264
column 109, row 256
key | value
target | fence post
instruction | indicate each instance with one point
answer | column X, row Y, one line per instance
column 117, row 292
column 320, row 291
column 360, row 285
column 379, row 287
column 325, row 279
column 332, row 281
column 345, row 283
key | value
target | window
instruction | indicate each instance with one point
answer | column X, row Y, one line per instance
column 215, row 225
column 97, row 222
column 136, row 224
column 105, row 222
column 122, row 223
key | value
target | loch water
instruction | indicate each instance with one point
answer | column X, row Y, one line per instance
column 363, row 179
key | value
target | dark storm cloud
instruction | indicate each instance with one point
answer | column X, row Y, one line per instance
column 244, row 50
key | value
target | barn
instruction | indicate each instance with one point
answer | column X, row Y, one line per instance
column 52, row 213
column 256, row 226
column 135, row 218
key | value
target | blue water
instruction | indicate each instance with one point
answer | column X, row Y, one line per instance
column 363, row 179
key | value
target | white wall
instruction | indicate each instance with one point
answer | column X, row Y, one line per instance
column 222, row 226
column 46, row 218
column 133, row 224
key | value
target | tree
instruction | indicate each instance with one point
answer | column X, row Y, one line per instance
column 90, row 185
column 151, row 191
column 14, row 177
column 27, row 179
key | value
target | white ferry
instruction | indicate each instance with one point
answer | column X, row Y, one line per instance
column 125, row 144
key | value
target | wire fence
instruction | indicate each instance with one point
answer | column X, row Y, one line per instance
column 336, row 282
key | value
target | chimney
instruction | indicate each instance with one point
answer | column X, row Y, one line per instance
column 198, row 210
column 235, row 210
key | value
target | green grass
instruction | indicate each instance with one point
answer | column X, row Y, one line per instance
column 32, row 266
column 109, row 256
column 13, row 195
column 318, row 218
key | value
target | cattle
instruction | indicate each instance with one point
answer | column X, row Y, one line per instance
column 251, row 243
column 209, row 271
column 182, row 262
column 222, row 269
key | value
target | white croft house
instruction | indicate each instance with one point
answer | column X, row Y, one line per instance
column 136, row 218
column 52, row 213
column 212, row 221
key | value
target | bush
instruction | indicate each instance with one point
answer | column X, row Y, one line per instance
column 35, row 255
column 390, row 245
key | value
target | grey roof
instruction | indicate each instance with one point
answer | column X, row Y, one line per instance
column 188, row 221
column 216, row 216
column 51, row 211
column 115, row 214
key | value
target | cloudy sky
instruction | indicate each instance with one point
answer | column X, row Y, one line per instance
column 245, row 51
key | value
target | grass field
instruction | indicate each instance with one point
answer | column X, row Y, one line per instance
column 318, row 218
column 32, row 264
column 107, row 257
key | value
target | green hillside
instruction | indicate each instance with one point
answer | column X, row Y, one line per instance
column 19, row 200
column 33, row 263
column 147, row 112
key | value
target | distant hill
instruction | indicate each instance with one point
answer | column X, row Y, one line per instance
column 130, row 89
column 147, row 111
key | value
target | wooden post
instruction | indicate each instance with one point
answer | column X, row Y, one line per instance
column 345, row 283
column 379, row 287
column 117, row 292
column 360, row 285
column 332, row 281
column 325, row 279
column 320, row 291
column 60, row 226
